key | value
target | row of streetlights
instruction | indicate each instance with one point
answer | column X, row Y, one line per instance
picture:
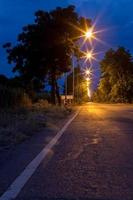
column 89, row 55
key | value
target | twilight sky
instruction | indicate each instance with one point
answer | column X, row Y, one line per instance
column 113, row 15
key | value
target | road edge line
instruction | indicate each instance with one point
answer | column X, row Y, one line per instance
column 17, row 185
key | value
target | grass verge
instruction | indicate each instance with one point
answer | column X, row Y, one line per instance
column 17, row 125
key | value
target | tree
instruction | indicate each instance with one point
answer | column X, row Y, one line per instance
column 3, row 80
column 44, row 49
column 116, row 83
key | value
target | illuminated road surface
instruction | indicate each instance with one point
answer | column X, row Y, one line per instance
column 92, row 160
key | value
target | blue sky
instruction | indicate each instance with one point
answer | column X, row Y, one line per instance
column 114, row 15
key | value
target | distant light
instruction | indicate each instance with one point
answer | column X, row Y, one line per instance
column 89, row 55
column 89, row 93
column 87, row 72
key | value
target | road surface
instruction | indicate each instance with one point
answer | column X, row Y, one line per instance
column 93, row 160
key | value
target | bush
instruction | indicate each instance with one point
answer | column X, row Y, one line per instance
column 41, row 104
column 42, row 96
column 13, row 97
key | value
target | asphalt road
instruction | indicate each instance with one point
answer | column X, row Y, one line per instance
column 93, row 160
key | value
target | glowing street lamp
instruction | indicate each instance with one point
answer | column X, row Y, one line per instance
column 87, row 79
column 87, row 72
column 89, row 55
column 89, row 34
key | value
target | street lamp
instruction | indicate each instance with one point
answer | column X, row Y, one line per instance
column 89, row 55
column 89, row 34
column 88, row 72
column 88, row 79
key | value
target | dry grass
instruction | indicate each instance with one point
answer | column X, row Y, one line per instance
column 16, row 125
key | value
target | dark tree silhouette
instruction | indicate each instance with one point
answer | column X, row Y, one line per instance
column 3, row 80
column 44, row 49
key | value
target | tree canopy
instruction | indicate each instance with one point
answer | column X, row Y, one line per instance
column 44, row 49
column 116, row 83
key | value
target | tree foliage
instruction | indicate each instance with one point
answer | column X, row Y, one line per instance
column 44, row 49
column 116, row 83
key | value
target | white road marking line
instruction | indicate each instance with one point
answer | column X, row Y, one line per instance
column 15, row 188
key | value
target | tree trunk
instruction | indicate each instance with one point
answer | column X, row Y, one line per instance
column 57, row 94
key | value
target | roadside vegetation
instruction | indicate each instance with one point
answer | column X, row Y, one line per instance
column 23, row 114
column 18, row 123
column 116, row 82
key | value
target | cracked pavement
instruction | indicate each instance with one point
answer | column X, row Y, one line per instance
column 93, row 159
